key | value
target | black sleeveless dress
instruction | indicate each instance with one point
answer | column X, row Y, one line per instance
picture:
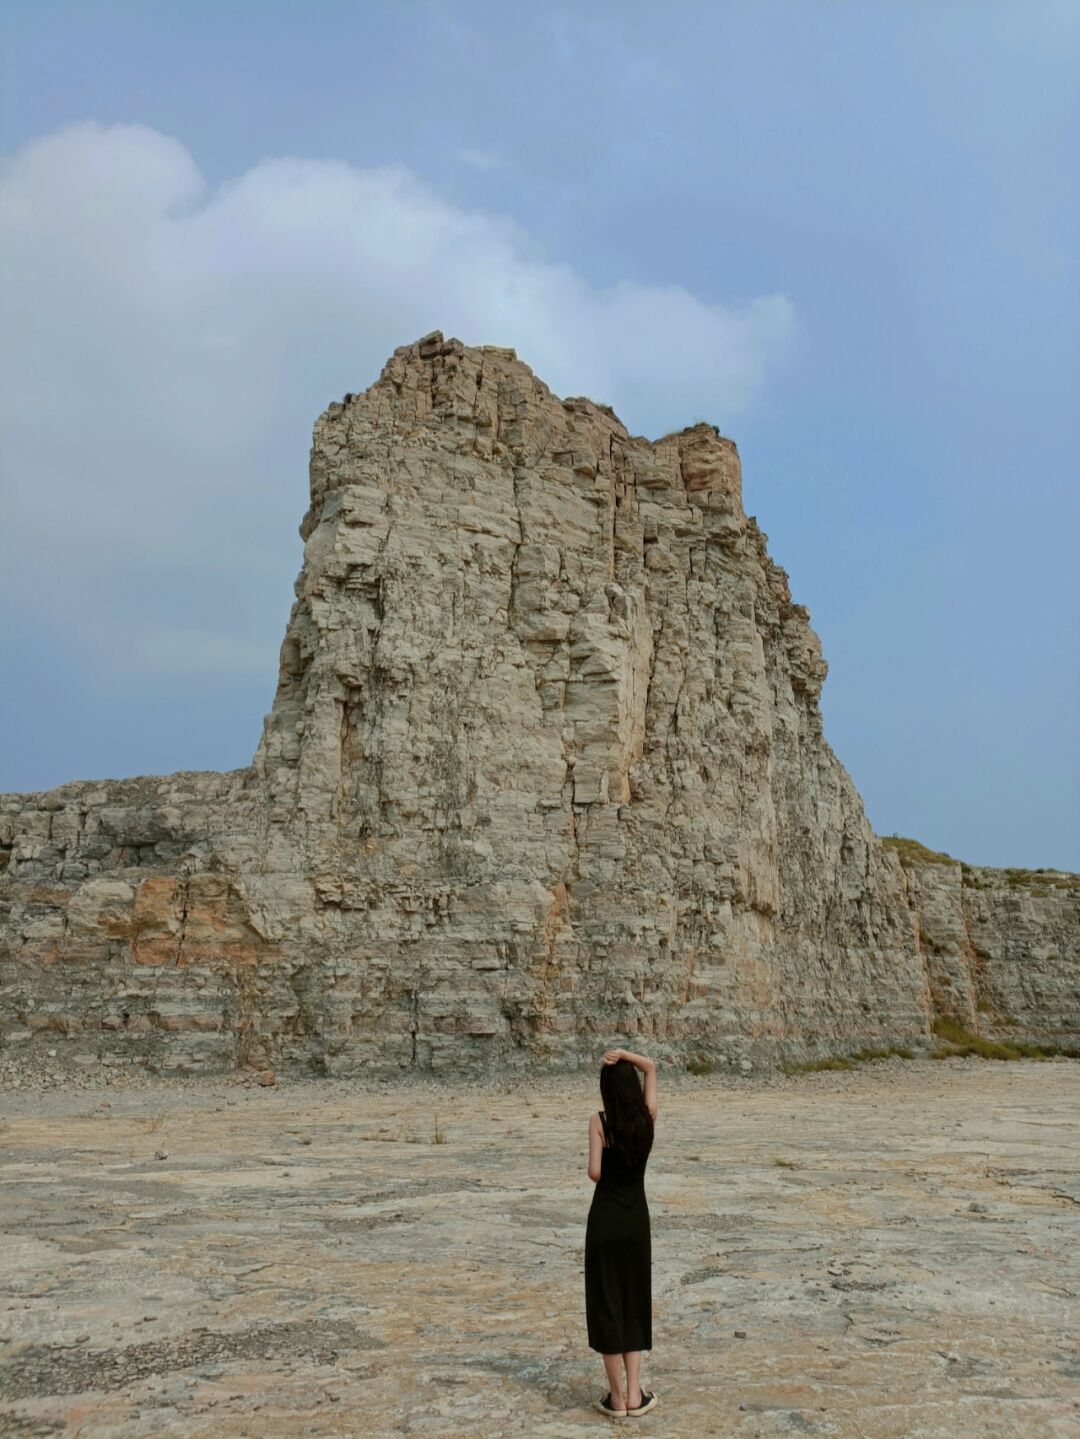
column 618, row 1257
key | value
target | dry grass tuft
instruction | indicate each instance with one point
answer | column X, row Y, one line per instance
column 961, row 1043
column 911, row 852
column 700, row 1066
column 848, row 1061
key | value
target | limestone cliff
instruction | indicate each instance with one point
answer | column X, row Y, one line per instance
column 1001, row 948
column 544, row 771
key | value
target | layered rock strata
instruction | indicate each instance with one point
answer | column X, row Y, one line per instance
column 545, row 770
column 1001, row 948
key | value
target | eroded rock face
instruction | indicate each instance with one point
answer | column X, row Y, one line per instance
column 544, row 770
column 1002, row 949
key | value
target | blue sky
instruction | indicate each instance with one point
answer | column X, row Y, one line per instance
column 846, row 233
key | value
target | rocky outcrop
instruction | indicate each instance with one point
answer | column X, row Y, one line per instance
column 1001, row 947
column 545, row 768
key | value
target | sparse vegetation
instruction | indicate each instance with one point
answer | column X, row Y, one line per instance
column 961, row 1043
column 911, row 852
column 396, row 1136
column 700, row 1066
column 813, row 1066
column 1041, row 879
column 848, row 1061
column 951, row 1029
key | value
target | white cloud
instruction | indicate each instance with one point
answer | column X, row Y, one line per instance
column 167, row 345
column 481, row 159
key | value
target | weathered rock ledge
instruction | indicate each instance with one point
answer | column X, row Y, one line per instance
column 545, row 768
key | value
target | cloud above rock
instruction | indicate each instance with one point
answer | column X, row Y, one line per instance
column 168, row 343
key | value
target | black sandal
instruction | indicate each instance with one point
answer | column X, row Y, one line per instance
column 648, row 1401
column 604, row 1405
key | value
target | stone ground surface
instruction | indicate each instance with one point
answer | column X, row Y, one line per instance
column 899, row 1246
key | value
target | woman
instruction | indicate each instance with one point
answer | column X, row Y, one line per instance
column 618, row 1242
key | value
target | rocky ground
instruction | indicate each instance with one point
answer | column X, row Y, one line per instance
column 890, row 1251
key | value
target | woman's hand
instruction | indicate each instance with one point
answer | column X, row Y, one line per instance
column 614, row 1055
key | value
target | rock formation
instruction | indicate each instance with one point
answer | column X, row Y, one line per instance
column 544, row 771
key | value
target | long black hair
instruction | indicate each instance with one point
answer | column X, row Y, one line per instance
column 629, row 1123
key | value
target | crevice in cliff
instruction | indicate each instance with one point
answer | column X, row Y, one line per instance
column 671, row 737
column 511, row 598
column 182, row 935
column 476, row 404
column 612, row 508
column 414, row 1021
column 370, row 695
column 658, row 635
column 337, row 805
column 575, row 841
column 976, row 965
column 303, row 1022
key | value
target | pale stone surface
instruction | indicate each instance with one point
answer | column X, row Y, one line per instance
column 545, row 762
column 899, row 1244
column 1002, row 949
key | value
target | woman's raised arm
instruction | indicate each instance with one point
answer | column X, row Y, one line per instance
column 647, row 1067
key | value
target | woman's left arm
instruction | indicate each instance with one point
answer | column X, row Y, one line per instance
column 596, row 1147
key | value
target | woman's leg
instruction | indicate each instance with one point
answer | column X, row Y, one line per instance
column 632, row 1360
column 613, row 1365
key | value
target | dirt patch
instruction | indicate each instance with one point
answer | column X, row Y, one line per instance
column 873, row 1254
